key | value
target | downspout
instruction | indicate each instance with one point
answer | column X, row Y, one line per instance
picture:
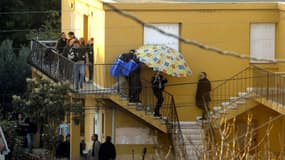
column 113, row 124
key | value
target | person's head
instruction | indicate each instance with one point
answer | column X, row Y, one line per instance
column 94, row 137
column 20, row 116
column 203, row 75
column 132, row 51
column 70, row 42
column 82, row 41
column 76, row 43
column 62, row 35
column 108, row 139
column 91, row 41
column 71, row 35
column 82, row 140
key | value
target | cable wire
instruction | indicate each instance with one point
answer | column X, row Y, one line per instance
column 188, row 41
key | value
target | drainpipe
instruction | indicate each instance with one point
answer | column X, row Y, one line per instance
column 113, row 124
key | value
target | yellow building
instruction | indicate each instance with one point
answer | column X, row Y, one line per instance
column 251, row 29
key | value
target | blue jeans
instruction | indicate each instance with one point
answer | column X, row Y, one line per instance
column 78, row 75
column 30, row 141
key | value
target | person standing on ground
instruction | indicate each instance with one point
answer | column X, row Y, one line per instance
column 95, row 147
column 31, row 129
column 107, row 150
column 203, row 94
column 158, row 83
column 66, row 147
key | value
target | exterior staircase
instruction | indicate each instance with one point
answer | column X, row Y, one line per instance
column 46, row 61
column 232, row 97
column 139, row 111
column 234, row 106
column 193, row 134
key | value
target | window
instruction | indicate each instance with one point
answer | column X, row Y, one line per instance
column 262, row 41
column 152, row 36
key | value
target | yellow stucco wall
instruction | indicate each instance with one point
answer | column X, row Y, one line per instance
column 261, row 114
column 221, row 25
column 226, row 26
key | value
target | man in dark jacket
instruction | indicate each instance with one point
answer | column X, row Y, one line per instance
column 90, row 50
column 61, row 43
column 135, row 84
column 77, row 55
column 158, row 83
column 107, row 150
column 203, row 93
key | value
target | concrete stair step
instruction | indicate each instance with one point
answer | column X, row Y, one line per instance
column 194, row 142
column 189, row 125
column 249, row 89
column 244, row 94
column 225, row 104
column 223, row 111
column 192, row 131
column 217, row 108
column 194, row 137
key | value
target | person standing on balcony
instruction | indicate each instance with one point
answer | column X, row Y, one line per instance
column 83, row 47
column 77, row 55
column 61, row 43
column 203, row 94
column 90, row 50
column 158, row 83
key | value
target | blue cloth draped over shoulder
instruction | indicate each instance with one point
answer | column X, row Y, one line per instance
column 123, row 68
column 129, row 67
column 116, row 68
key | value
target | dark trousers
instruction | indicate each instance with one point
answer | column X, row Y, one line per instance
column 134, row 91
column 90, row 72
column 204, row 108
column 158, row 94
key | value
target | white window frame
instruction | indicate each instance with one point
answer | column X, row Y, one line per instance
column 152, row 36
column 262, row 41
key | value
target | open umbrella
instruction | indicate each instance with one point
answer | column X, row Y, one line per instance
column 165, row 59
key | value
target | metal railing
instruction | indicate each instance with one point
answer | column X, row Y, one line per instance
column 270, row 86
column 231, row 87
column 261, row 82
column 59, row 68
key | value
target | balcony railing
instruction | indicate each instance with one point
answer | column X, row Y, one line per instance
column 57, row 67
column 270, row 85
column 260, row 82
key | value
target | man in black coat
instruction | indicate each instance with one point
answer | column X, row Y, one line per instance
column 203, row 93
column 158, row 83
column 107, row 150
column 61, row 43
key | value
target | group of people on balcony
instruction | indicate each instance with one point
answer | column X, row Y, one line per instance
column 77, row 51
